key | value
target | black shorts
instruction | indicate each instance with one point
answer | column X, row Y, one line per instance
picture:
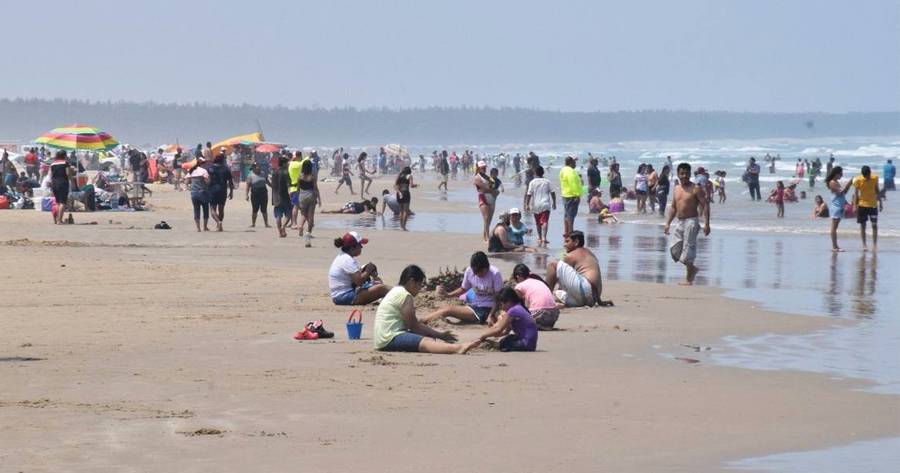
column 61, row 193
column 403, row 197
column 867, row 213
column 218, row 198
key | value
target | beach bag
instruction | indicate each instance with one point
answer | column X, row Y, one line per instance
column 47, row 204
column 354, row 325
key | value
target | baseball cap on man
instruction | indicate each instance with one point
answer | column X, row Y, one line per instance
column 352, row 239
column 514, row 210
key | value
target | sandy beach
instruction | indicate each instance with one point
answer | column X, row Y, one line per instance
column 132, row 349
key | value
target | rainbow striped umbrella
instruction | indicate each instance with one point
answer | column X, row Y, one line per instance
column 78, row 137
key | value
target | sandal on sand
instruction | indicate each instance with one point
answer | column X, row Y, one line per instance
column 305, row 334
column 318, row 328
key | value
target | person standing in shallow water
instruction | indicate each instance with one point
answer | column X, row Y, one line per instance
column 867, row 200
column 689, row 202
column 402, row 185
column 837, row 202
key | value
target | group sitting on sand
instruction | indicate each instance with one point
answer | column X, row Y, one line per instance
column 515, row 312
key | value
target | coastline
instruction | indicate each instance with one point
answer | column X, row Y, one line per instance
column 151, row 333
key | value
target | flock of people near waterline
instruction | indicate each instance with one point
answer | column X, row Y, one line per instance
column 292, row 179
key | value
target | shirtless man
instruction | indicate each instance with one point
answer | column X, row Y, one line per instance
column 577, row 273
column 689, row 201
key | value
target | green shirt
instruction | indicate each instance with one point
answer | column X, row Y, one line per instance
column 570, row 183
column 294, row 173
column 388, row 319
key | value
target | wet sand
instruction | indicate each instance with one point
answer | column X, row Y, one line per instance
column 128, row 348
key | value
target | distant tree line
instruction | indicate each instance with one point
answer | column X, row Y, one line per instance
column 147, row 124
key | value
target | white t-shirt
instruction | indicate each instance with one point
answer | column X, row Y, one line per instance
column 539, row 190
column 339, row 275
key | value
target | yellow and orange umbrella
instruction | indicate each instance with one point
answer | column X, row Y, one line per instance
column 78, row 137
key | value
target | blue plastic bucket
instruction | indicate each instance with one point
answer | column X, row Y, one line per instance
column 354, row 326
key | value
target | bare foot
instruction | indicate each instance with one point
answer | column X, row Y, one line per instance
column 837, row 250
column 685, row 283
column 691, row 274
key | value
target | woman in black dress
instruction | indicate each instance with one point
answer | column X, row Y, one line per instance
column 59, row 184
column 402, row 185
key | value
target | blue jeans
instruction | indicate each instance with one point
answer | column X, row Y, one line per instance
column 406, row 341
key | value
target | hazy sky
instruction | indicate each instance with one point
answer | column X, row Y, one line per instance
column 741, row 55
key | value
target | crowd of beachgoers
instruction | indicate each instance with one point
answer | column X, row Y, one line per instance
column 287, row 181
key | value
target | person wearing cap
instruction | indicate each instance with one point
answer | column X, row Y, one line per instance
column 571, row 187
column 501, row 239
column 517, row 229
column 487, row 197
column 348, row 283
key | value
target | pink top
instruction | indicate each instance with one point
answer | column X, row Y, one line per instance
column 536, row 294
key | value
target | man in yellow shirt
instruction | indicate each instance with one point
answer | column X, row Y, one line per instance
column 294, row 175
column 571, row 189
column 867, row 199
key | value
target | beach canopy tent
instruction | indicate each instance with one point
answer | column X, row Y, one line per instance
column 249, row 139
column 396, row 150
column 78, row 137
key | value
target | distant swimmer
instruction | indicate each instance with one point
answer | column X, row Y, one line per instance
column 689, row 201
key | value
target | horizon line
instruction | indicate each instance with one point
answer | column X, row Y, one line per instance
column 461, row 107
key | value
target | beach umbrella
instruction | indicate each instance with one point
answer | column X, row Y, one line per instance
column 248, row 140
column 75, row 137
column 269, row 148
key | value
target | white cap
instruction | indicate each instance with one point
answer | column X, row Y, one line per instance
column 481, row 164
column 514, row 210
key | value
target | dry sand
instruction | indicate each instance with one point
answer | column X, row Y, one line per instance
column 124, row 348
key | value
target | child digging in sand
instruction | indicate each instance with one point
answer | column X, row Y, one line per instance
column 514, row 318
column 484, row 280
